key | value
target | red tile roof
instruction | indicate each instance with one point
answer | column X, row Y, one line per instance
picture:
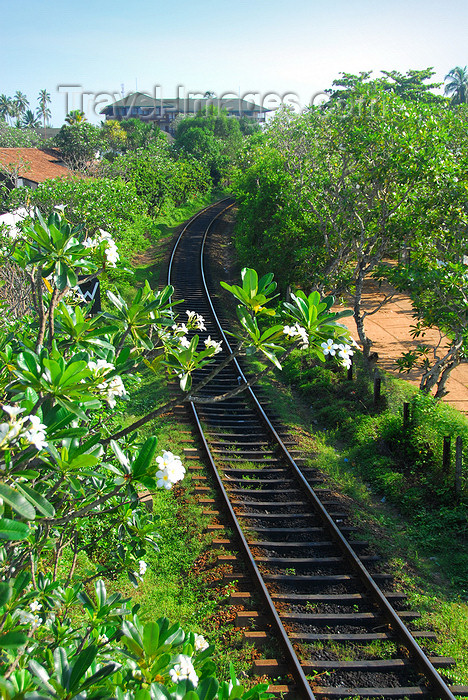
column 36, row 165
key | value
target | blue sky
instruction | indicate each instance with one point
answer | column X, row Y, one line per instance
column 260, row 46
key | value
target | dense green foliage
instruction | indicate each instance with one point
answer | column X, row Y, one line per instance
column 70, row 467
column 402, row 462
column 211, row 139
column 326, row 195
column 11, row 137
column 161, row 181
column 113, row 205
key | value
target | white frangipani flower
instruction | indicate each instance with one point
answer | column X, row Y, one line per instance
column 213, row 344
column 36, row 433
column 195, row 320
column 111, row 388
column 13, row 411
column 171, row 470
column 163, row 481
column 297, row 332
column 184, row 670
column 345, row 353
column 200, row 643
column 329, row 347
column 142, row 567
column 115, row 388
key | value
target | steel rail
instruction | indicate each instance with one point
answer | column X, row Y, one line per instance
column 436, row 682
column 298, row 674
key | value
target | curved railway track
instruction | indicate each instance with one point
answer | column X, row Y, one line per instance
column 339, row 624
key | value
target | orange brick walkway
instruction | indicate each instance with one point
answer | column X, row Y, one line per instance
column 389, row 330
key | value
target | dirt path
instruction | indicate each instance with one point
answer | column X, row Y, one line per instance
column 389, row 329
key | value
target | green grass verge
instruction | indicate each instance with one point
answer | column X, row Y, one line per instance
column 398, row 493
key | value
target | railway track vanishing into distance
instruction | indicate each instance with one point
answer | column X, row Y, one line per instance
column 339, row 625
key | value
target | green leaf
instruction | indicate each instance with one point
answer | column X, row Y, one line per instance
column 13, row 530
column 103, row 672
column 81, row 665
column 40, row 673
column 142, row 694
column 17, row 502
column 145, row 456
column 38, row 501
column 62, row 667
column 159, row 692
column 208, row 688
column 5, row 593
column 101, row 593
column 151, row 638
column 186, row 382
column 13, row 640
column 249, row 281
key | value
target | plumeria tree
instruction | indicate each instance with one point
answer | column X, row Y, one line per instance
column 65, row 464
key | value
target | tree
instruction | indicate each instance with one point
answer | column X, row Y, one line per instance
column 75, row 117
column 79, row 144
column 213, row 139
column 438, row 291
column 20, row 102
column 142, row 134
column 5, row 107
column 11, row 137
column 411, row 87
column 30, row 121
column 357, row 180
column 43, row 110
column 457, row 86
column 115, row 137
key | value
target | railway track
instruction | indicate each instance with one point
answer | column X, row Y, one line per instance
column 339, row 624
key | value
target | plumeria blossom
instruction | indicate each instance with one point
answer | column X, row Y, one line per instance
column 11, row 219
column 184, row 342
column 110, row 388
column 163, row 481
column 297, row 332
column 180, row 329
column 213, row 344
column 115, row 388
column 329, row 347
column 17, row 428
column 200, row 643
column 112, row 255
column 36, row 433
column 184, row 670
column 195, row 321
column 171, row 470
column 345, row 353
column 142, row 567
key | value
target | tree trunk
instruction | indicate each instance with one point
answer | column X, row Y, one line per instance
column 440, row 372
column 359, row 317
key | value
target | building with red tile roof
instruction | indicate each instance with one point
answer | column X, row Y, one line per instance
column 27, row 167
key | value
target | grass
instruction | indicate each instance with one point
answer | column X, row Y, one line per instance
column 425, row 543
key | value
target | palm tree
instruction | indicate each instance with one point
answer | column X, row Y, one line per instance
column 43, row 111
column 75, row 117
column 457, row 87
column 30, row 121
column 21, row 102
column 5, row 106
